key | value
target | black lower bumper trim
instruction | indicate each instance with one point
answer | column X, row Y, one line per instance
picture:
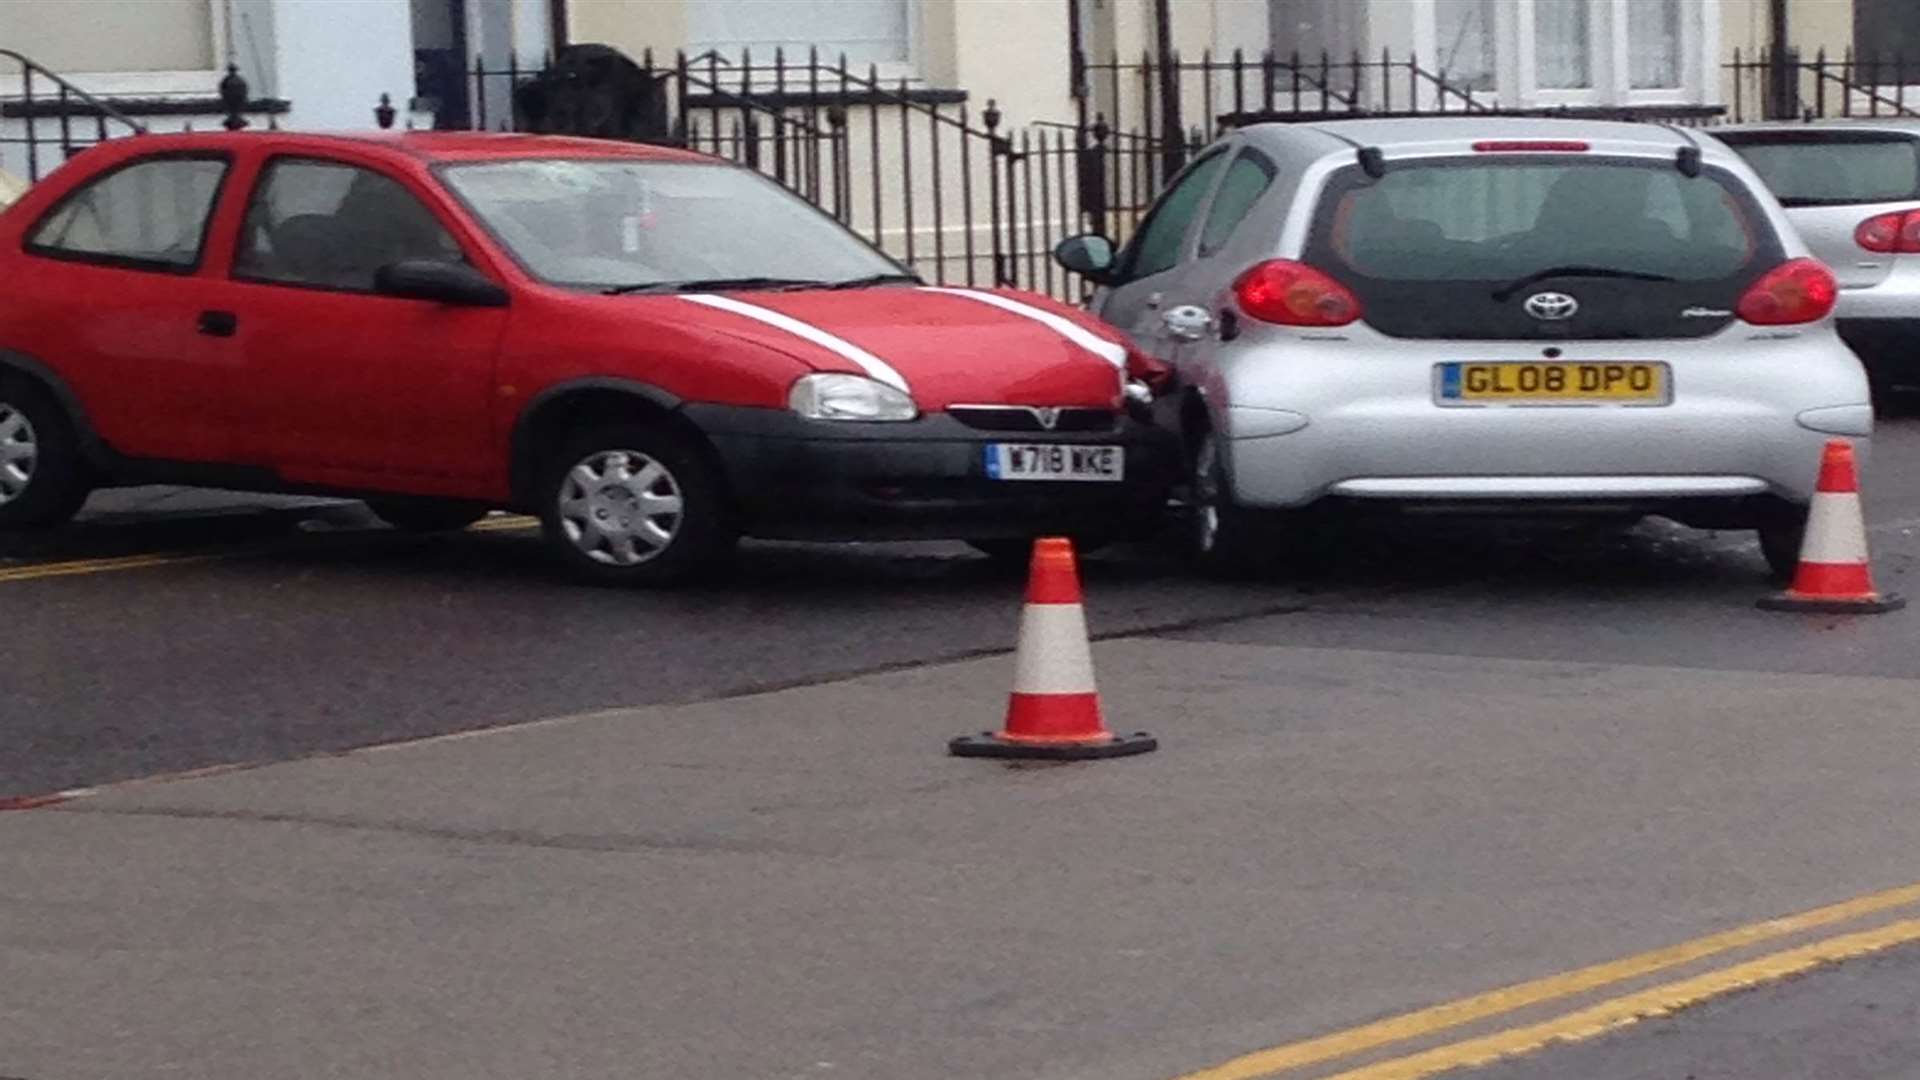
column 799, row 479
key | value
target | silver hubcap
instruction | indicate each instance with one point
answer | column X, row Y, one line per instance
column 1206, row 496
column 19, row 451
column 620, row 507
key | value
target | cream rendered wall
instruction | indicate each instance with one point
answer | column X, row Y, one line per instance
column 1812, row 25
column 153, row 35
column 1011, row 51
column 632, row 26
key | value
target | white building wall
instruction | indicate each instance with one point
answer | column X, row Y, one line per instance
column 333, row 68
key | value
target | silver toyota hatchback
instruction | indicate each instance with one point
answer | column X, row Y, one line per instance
column 1852, row 188
column 1484, row 315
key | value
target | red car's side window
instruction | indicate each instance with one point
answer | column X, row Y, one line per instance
column 330, row 225
column 150, row 214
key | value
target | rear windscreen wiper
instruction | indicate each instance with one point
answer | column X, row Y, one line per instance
column 1506, row 291
column 711, row 284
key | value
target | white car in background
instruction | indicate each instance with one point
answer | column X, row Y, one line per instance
column 1527, row 317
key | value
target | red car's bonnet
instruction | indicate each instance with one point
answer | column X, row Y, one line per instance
column 949, row 346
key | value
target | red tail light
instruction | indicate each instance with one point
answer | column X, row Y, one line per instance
column 1294, row 294
column 1887, row 233
column 1796, row 291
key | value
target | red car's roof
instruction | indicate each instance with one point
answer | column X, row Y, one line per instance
column 427, row 145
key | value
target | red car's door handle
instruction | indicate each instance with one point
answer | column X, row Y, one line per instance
column 219, row 323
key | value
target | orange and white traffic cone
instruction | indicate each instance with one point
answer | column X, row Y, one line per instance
column 1834, row 577
column 1054, row 712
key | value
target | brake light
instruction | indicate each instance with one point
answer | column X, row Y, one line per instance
column 1888, row 233
column 1796, row 291
column 1531, row 146
column 1294, row 294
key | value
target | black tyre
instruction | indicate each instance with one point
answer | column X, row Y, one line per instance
column 427, row 515
column 43, row 479
column 1223, row 538
column 634, row 505
column 1780, row 540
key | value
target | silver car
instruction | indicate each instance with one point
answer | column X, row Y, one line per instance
column 1483, row 314
column 1852, row 188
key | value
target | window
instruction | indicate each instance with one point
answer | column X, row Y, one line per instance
column 1563, row 44
column 333, row 226
column 1535, row 53
column 1886, row 29
column 1157, row 246
column 599, row 224
column 151, row 214
column 1247, row 179
column 1495, row 222
column 1464, row 42
column 865, row 31
column 1833, row 168
column 1311, row 28
column 1654, row 44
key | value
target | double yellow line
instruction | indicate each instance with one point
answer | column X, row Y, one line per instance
column 82, row 567
column 1593, row 1020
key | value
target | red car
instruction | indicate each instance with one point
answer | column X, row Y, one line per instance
column 654, row 351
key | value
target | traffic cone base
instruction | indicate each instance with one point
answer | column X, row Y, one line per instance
column 1054, row 711
column 989, row 744
column 1821, row 605
column 1833, row 576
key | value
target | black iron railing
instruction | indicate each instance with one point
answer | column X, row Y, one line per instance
column 1780, row 84
column 51, row 125
column 950, row 189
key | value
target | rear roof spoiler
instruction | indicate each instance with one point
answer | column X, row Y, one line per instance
column 1372, row 161
column 1687, row 159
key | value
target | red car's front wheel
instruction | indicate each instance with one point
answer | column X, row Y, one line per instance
column 633, row 505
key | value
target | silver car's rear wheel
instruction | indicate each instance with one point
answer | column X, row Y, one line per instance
column 19, row 452
column 1221, row 536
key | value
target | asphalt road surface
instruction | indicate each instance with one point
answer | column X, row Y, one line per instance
column 1503, row 771
column 1860, row 1019
column 314, row 630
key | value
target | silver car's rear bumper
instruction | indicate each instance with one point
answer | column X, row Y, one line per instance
column 1358, row 419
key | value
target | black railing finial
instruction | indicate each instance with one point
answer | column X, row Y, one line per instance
column 384, row 112
column 233, row 97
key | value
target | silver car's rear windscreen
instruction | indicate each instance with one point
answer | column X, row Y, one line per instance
column 1453, row 247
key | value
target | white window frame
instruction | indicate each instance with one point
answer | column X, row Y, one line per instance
column 890, row 73
column 1699, row 45
column 1426, row 47
column 1603, row 57
column 154, row 84
column 1516, row 71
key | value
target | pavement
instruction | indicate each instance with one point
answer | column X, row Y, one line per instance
column 800, row 883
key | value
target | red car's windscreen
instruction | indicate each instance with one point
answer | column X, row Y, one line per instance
column 608, row 224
